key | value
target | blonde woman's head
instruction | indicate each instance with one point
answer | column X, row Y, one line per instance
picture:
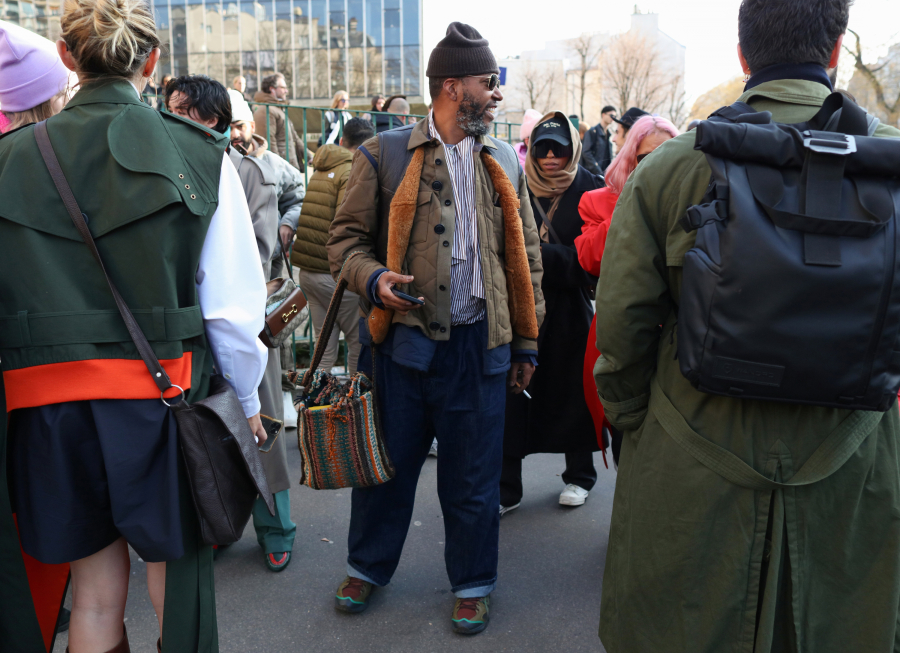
column 108, row 38
column 341, row 100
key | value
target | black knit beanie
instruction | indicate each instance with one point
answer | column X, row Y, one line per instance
column 463, row 52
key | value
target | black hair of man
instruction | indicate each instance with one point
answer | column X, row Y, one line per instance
column 790, row 31
column 608, row 108
column 268, row 83
column 356, row 132
column 206, row 96
column 435, row 84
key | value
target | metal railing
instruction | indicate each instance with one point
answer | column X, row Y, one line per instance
column 312, row 120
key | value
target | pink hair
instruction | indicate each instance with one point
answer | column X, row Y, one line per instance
column 626, row 160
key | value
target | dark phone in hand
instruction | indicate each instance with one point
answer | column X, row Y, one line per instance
column 273, row 428
column 409, row 298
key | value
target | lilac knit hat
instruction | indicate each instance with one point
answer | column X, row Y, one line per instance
column 31, row 71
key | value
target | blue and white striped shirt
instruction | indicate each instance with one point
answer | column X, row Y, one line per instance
column 467, row 298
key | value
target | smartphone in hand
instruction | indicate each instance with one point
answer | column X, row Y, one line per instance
column 273, row 428
column 409, row 298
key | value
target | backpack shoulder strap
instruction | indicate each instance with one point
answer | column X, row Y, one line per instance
column 851, row 118
column 732, row 112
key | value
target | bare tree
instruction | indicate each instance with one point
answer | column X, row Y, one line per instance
column 537, row 87
column 676, row 101
column 880, row 82
column 634, row 70
column 586, row 49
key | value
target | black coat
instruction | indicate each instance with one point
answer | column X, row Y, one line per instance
column 596, row 153
column 556, row 419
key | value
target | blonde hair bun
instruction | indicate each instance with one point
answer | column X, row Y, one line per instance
column 109, row 37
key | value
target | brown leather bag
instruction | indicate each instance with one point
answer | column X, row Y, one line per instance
column 284, row 304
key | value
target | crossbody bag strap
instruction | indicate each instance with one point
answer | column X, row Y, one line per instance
column 547, row 221
column 160, row 378
column 287, row 263
column 328, row 326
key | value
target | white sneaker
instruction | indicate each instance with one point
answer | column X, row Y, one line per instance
column 573, row 496
column 433, row 450
column 506, row 509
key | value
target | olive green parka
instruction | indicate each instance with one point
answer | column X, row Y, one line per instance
column 697, row 563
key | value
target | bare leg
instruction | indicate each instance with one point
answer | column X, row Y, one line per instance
column 99, row 591
column 156, row 585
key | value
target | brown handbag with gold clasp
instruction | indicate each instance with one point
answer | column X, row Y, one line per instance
column 283, row 307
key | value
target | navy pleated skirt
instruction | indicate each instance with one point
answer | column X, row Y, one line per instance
column 85, row 473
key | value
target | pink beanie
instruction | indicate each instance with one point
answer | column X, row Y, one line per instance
column 529, row 120
column 31, row 71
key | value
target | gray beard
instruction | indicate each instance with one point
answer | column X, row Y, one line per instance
column 470, row 116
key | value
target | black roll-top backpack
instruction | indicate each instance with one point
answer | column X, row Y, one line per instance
column 792, row 290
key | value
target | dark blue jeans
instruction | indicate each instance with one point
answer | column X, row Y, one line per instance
column 464, row 408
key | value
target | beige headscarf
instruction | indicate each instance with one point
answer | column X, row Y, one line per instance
column 553, row 185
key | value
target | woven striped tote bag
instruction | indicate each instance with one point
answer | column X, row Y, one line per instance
column 337, row 423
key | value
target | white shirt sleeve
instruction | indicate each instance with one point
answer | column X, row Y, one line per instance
column 232, row 292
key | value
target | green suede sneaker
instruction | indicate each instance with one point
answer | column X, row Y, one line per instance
column 471, row 616
column 353, row 595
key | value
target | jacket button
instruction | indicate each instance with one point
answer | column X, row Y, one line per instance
column 439, row 229
column 447, row 202
column 435, row 326
column 437, row 185
column 443, row 287
column 443, row 329
column 438, row 162
column 446, row 243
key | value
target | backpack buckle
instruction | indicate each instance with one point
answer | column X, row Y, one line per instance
column 702, row 214
column 829, row 143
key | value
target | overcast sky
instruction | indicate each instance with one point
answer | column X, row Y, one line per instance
column 708, row 28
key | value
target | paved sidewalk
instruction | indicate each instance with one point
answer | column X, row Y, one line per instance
column 548, row 599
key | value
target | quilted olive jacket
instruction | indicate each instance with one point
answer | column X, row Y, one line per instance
column 326, row 192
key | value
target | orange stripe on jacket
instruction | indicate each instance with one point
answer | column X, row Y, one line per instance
column 114, row 378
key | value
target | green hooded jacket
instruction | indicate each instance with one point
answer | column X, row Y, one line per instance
column 697, row 563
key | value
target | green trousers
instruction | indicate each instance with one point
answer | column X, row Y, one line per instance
column 275, row 533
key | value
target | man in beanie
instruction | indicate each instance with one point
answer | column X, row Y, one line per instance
column 33, row 79
column 274, row 191
column 442, row 212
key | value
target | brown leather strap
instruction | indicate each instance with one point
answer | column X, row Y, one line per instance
column 328, row 326
column 65, row 192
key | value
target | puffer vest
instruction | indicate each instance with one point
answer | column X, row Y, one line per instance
column 147, row 183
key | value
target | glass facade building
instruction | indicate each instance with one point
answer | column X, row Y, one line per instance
column 365, row 47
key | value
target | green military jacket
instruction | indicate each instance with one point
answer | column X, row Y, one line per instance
column 697, row 563
column 148, row 184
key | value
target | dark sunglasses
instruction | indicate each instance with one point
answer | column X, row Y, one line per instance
column 493, row 81
column 543, row 148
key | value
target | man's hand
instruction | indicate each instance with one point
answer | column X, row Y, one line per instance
column 257, row 428
column 387, row 281
column 520, row 376
column 287, row 236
